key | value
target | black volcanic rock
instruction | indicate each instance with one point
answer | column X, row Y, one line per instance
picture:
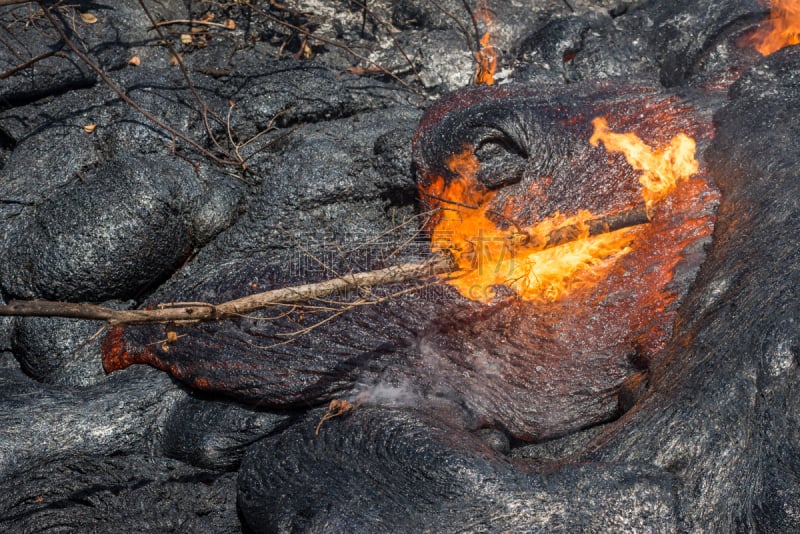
column 657, row 41
column 722, row 413
column 115, row 235
column 417, row 471
column 123, row 493
column 707, row 442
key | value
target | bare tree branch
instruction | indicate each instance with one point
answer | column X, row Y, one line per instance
column 128, row 100
column 204, row 109
column 309, row 35
column 196, row 312
column 30, row 62
column 395, row 42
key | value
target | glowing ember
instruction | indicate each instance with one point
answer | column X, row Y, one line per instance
column 486, row 57
column 781, row 30
column 491, row 250
column 661, row 168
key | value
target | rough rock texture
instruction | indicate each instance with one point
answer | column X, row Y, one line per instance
column 658, row 41
column 127, row 221
column 723, row 409
column 564, row 365
column 125, row 414
column 708, row 443
column 124, row 493
column 417, row 471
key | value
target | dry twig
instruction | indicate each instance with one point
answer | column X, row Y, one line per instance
column 196, row 312
column 30, row 63
column 395, row 42
column 223, row 160
column 310, row 35
column 336, row 408
column 204, row 109
column 193, row 22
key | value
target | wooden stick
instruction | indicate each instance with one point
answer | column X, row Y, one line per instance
column 12, row 2
column 199, row 311
column 191, row 22
column 235, row 308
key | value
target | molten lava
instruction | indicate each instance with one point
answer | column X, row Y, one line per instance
column 780, row 30
column 491, row 250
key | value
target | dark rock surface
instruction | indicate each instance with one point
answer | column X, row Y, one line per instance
column 128, row 227
column 130, row 216
column 125, row 493
column 417, row 471
column 733, row 367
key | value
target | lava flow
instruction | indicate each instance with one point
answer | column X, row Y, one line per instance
column 782, row 29
column 491, row 250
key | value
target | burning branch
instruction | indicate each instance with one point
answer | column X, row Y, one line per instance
column 598, row 225
column 524, row 258
column 201, row 311
column 486, row 56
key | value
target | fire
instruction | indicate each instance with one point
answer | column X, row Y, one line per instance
column 487, row 62
column 489, row 254
column 491, row 250
column 781, row 30
column 486, row 57
column 661, row 168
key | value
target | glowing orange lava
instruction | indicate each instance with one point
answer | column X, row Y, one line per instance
column 780, row 30
column 486, row 57
column 491, row 250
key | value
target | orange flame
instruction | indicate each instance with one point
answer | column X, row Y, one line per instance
column 486, row 57
column 487, row 62
column 661, row 168
column 781, row 30
column 491, row 250
column 489, row 256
